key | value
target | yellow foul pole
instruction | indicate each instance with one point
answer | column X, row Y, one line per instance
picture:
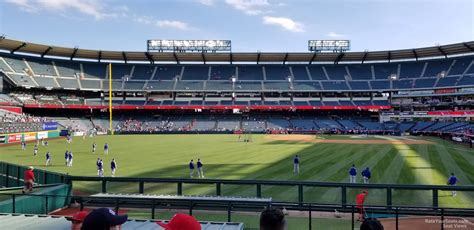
column 110, row 99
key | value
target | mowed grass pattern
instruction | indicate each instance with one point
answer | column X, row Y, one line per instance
column 167, row 156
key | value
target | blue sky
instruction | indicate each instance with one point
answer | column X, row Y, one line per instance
column 264, row 25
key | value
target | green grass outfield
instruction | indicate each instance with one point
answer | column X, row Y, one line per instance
column 167, row 156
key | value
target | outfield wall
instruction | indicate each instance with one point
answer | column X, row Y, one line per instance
column 12, row 138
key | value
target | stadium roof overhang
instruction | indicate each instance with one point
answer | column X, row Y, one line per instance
column 13, row 46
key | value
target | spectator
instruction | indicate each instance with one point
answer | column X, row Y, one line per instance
column 181, row 222
column 272, row 219
column 103, row 219
column 371, row 224
column 360, row 199
column 77, row 220
column 29, row 180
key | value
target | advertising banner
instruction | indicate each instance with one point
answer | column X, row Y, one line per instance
column 14, row 138
column 50, row 126
column 29, row 136
column 42, row 135
column 3, row 139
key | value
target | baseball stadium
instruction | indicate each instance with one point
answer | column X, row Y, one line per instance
column 193, row 127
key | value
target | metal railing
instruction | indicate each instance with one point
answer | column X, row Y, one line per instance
column 12, row 175
column 218, row 185
column 230, row 207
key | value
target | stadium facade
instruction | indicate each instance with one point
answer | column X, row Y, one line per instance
column 245, row 91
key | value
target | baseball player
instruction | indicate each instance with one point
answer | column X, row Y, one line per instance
column 453, row 180
column 352, row 174
column 66, row 157
column 35, row 150
column 296, row 164
column 70, row 159
column 106, row 148
column 23, row 145
column 113, row 166
column 101, row 168
column 199, row 169
column 94, row 145
column 191, row 169
column 366, row 175
column 48, row 158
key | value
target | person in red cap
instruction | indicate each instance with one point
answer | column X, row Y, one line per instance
column 29, row 180
column 77, row 220
column 181, row 222
column 360, row 199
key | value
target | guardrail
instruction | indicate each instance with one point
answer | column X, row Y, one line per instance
column 12, row 175
column 229, row 207
column 300, row 185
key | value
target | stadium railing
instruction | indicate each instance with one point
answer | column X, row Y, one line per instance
column 231, row 207
column 12, row 175
column 300, row 186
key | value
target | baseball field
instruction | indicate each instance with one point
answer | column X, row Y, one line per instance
column 393, row 160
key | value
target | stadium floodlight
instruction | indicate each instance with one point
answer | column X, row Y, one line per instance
column 162, row 45
column 329, row 45
column 234, row 79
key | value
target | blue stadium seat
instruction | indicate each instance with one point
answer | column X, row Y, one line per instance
column 250, row 72
column 42, row 67
column 190, row 85
column 94, row 70
column 467, row 80
column 331, row 103
column 218, row 85
column 359, row 85
column 248, row 86
column 334, row 85
column 460, row 66
column 346, row 103
column 447, row 81
column 223, row 72
column 380, row 85
column 436, row 67
column 299, row 72
column 383, row 71
column 336, row 72
column 160, row 85
column 90, row 84
column 143, row 72
column 315, row 103
column 300, row 103
column 121, row 71
column 277, row 72
column 307, row 86
column 68, row 83
column 194, row 102
column 134, row 85
column 411, row 69
column 276, row 85
column 317, row 72
column 425, row 83
column 16, row 63
column 199, row 72
column 403, row 84
column 360, row 72
column 167, row 72
column 68, row 68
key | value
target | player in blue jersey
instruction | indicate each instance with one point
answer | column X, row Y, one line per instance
column 353, row 174
column 199, row 169
column 101, row 168
column 366, row 174
column 106, row 148
column 35, row 149
column 48, row 158
column 66, row 157
column 453, row 180
column 70, row 159
column 296, row 164
column 113, row 166
column 191, row 169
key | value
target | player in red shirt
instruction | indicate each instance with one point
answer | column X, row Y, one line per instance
column 360, row 199
column 29, row 179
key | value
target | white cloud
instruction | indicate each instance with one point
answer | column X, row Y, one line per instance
column 94, row 8
column 250, row 7
column 173, row 24
column 286, row 23
column 335, row 35
column 206, row 2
